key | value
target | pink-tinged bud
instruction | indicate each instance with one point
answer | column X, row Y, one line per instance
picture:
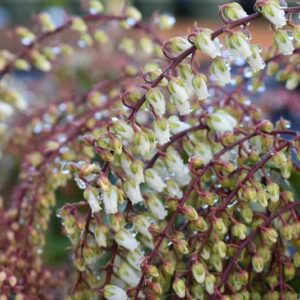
column 257, row 263
column 232, row 11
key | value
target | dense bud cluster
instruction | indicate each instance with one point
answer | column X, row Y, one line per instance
column 184, row 186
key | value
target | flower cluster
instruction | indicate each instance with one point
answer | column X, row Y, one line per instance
column 184, row 185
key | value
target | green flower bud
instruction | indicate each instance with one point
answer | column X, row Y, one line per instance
column 179, row 287
column 219, row 226
column 270, row 236
column 257, row 263
column 210, row 281
column 220, row 248
column 181, row 246
column 198, row 271
column 239, row 230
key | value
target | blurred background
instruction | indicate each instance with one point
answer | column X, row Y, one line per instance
column 186, row 12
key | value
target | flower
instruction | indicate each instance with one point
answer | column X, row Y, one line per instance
column 176, row 125
column 129, row 275
column 200, row 87
column 283, row 42
column 156, row 207
column 272, row 11
column 162, row 130
column 122, row 129
column 137, row 171
column 238, row 42
column 125, row 239
column 133, row 192
column 135, row 258
column 179, row 287
column 173, row 189
column 221, row 121
column 92, row 196
column 141, row 142
column 110, row 199
column 210, row 283
column 178, row 45
column 257, row 263
column 5, row 109
column 154, row 181
column 113, row 292
column 204, row 152
column 155, row 97
column 255, row 60
column 233, row 11
column 198, row 271
column 182, row 105
column 221, row 70
column 204, row 42
column 141, row 224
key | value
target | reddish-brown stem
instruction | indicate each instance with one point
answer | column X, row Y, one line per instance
column 250, row 237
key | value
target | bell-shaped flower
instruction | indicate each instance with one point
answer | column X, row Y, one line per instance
column 199, row 272
column 233, row 11
column 129, row 275
column 178, row 45
column 141, row 142
column 177, row 89
column 137, row 171
column 132, row 190
column 92, row 196
column 204, row 42
column 284, row 42
column 200, row 86
column 156, row 207
column 154, row 181
column 238, row 43
column 162, row 130
column 113, row 292
column 272, row 11
column 126, row 239
column 176, row 125
column 210, row 281
column 135, row 258
column 110, row 199
column 123, row 130
column 220, row 68
column 173, row 189
column 203, row 151
column 100, row 233
column 157, row 100
column 182, row 105
column 141, row 224
column 255, row 60
column 221, row 121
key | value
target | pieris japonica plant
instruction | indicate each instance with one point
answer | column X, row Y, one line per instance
column 185, row 187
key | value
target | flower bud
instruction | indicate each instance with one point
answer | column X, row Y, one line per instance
column 155, row 286
column 133, row 192
column 141, row 142
column 125, row 239
column 113, row 292
column 100, row 233
column 220, row 248
column 233, row 11
column 137, row 171
column 247, row 214
column 289, row 271
column 181, row 246
column 91, row 194
column 210, row 281
column 221, row 121
column 133, row 13
column 78, row 25
column 162, row 130
column 141, row 224
column 262, row 198
column 179, row 287
column 269, row 236
column 283, row 42
column 173, row 189
column 190, row 212
column 204, row 43
column 157, row 100
column 128, row 274
column 178, row 45
column 200, row 87
column 292, row 81
column 287, row 232
column 156, row 208
column 273, row 191
column 239, row 230
column 166, row 21
column 219, row 226
column 198, row 271
column 100, row 36
column 122, row 129
column 27, row 37
column 272, row 11
column 46, row 22
column 238, row 42
column 257, row 263
column 199, row 224
column 95, row 7
column 221, row 70
column 168, row 267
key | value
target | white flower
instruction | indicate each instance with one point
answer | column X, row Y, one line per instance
column 292, row 81
column 110, row 199
column 200, row 87
column 177, row 89
column 174, row 190
column 198, row 271
column 157, row 100
column 137, row 171
column 133, row 192
column 208, row 46
column 221, row 121
column 122, row 129
column 125, row 164
column 204, row 152
column 113, row 292
column 238, row 42
column 135, row 258
column 178, row 45
column 283, row 42
column 100, row 235
column 129, row 275
column 162, row 131
column 92, row 196
column 182, row 105
column 221, row 70
column 210, row 283
column 125, row 239
column 274, row 13
column 5, row 109
column 154, row 181
column 255, row 60
column 233, row 11
column 174, row 162
column 141, row 224
column 142, row 143
column 176, row 125
column 156, row 208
